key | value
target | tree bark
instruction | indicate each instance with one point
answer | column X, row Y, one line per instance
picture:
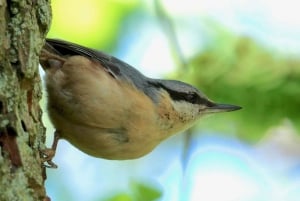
column 23, row 26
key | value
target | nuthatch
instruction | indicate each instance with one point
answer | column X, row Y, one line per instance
column 108, row 109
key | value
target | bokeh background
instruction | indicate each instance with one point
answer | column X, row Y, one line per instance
column 239, row 52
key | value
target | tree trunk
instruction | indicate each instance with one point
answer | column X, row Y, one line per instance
column 23, row 25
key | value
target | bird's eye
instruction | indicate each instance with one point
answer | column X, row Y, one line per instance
column 192, row 98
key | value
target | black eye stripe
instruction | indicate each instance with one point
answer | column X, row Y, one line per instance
column 188, row 95
column 191, row 97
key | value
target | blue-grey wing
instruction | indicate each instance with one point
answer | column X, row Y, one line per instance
column 114, row 66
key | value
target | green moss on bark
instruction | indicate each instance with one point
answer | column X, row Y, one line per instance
column 23, row 26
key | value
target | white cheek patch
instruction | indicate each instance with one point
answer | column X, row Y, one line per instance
column 188, row 111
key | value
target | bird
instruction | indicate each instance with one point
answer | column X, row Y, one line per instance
column 108, row 109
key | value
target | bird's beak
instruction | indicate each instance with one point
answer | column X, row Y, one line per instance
column 217, row 107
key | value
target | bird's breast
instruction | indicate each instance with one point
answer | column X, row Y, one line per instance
column 99, row 114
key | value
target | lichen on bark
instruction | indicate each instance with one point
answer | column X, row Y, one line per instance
column 23, row 26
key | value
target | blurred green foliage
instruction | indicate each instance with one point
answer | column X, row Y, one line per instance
column 139, row 191
column 92, row 23
column 231, row 69
column 240, row 71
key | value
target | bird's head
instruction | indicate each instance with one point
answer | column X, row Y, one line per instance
column 181, row 105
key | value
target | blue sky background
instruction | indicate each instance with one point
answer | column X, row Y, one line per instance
column 218, row 167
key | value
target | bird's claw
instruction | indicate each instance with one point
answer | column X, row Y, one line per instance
column 49, row 153
column 47, row 156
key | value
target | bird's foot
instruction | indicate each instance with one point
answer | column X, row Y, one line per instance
column 49, row 153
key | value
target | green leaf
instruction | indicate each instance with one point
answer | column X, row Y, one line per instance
column 145, row 192
column 120, row 197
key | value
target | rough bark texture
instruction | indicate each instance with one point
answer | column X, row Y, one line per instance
column 23, row 25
